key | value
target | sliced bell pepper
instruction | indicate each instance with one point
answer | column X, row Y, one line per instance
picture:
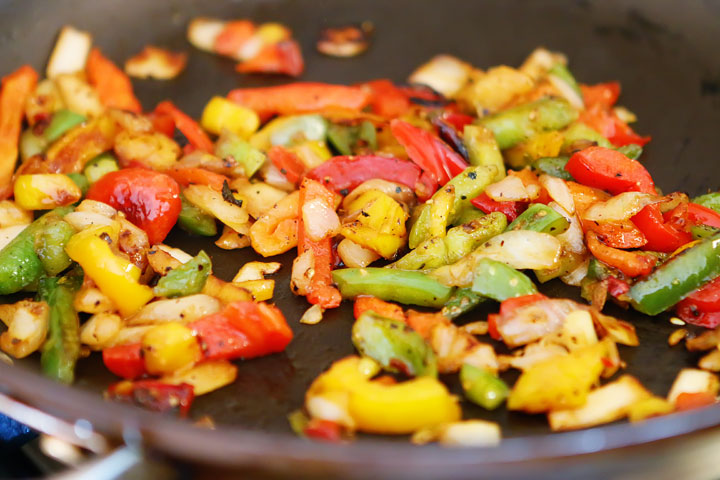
column 493, row 279
column 186, row 279
column 609, row 170
column 601, row 94
column 678, row 277
column 483, row 387
column 16, row 88
column 233, row 36
column 154, row 395
column 112, row 85
column 283, row 57
column 125, row 361
column 386, row 99
column 631, row 264
column 482, row 148
column 287, row 162
column 429, row 152
column 488, row 205
column 61, row 122
column 617, row 234
column 607, row 123
column 702, row 307
column 242, row 330
column 381, row 307
column 701, row 215
column 320, row 289
column 189, row 127
column 301, row 97
column 540, row 218
column 186, row 176
column 346, row 173
column 661, row 236
column 691, row 400
column 462, row 301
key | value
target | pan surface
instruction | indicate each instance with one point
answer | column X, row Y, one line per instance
column 663, row 53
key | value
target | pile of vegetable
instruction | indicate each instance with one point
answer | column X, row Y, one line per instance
column 463, row 187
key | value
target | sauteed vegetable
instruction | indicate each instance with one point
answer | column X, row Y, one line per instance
column 416, row 202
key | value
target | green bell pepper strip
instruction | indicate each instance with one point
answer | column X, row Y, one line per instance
column 702, row 231
column 402, row 286
column 540, row 218
column 187, row 279
column 631, row 150
column 482, row 387
column 678, row 277
column 99, row 166
column 709, row 200
column 394, row 345
column 62, row 122
column 468, row 185
column 493, row 279
column 230, row 145
column 50, row 245
column 554, row 166
column 342, row 138
column 483, row 149
column 62, row 347
column 517, row 124
column 81, row 181
column 194, row 220
column 431, row 253
column 466, row 215
column 462, row 301
column 20, row 265
column 561, row 72
column 463, row 239
column 368, row 135
column 31, row 144
column 578, row 132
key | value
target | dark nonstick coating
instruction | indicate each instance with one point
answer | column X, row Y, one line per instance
column 663, row 53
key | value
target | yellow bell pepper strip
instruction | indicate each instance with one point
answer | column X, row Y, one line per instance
column 375, row 407
column 402, row 286
column 115, row 277
column 468, row 185
column 16, row 88
column 44, row 191
column 222, row 114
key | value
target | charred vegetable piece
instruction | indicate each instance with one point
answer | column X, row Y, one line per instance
column 62, row 347
column 394, row 345
column 496, row 280
column 675, row 279
column 20, row 265
column 462, row 301
column 193, row 220
column 483, row 387
column 407, row 287
column 519, row 123
column 62, row 121
column 554, row 166
column 540, row 218
column 50, row 245
column 346, row 41
column 154, row 395
column 187, row 279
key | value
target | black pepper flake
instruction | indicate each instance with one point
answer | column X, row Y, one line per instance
column 228, row 196
column 398, row 189
column 472, row 175
column 344, row 192
column 364, row 213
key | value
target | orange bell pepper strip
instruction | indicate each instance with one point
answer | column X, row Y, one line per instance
column 300, row 97
column 283, row 57
column 622, row 234
column 112, row 84
column 189, row 127
column 16, row 88
column 197, row 176
column 381, row 307
column 321, row 290
column 631, row 264
column 689, row 401
column 233, row 36
column 423, row 322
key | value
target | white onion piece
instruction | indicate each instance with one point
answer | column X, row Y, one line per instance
column 183, row 309
column 202, row 32
column 532, row 322
column 93, row 206
column 470, row 433
column 443, row 73
column 558, row 191
column 320, row 221
column 312, row 315
column 511, row 189
column 523, row 249
column 620, row 207
column 354, row 255
column 567, row 91
column 572, row 238
column 575, row 277
column 83, row 220
column 692, row 380
column 70, row 52
column 180, row 255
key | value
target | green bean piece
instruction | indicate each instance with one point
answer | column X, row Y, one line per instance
column 482, row 387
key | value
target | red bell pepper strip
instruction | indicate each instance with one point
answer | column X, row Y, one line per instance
column 617, row 287
column 125, row 361
column 287, row 162
column 616, row 234
column 197, row 176
column 602, row 94
column 163, row 123
column 386, row 99
column 323, row 430
column 300, row 97
column 609, row 170
column 702, row 307
column 154, row 395
column 232, row 37
column 242, row 330
column 149, row 199
column 189, row 127
column 457, row 120
column 426, row 186
column 700, row 215
column 16, row 88
column 381, row 307
column 320, row 290
column 689, row 401
column 631, row 264
column 423, row 95
column 283, row 57
column 661, row 236
column 346, row 173
column 599, row 116
column 429, row 152
column 112, row 85
column 488, row 205
column 694, row 316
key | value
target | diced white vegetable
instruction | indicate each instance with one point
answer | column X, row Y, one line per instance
column 27, row 326
column 301, row 274
column 92, row 300
column 320, row 220
column 354, row 255
column 606, row 404
column 7, row 234
column 312, row 315
column 83, row 220
column 70, row 52
column 523, row 249
column 93, row 206
column 693, row 380
column 567, row 91
column 576, row 276
column 620, row 207
column 331, row 406
column 183, row 309
column 572, row 238
column 212, row 203
column 470, row 433
column 558, row 191
column 11, row 214
column 179, row 255
column 537, row 64
column 256, row 271
column 512, row 189
column 100, row 329
column 578, row 330
column 444, row 73
column 202, row 32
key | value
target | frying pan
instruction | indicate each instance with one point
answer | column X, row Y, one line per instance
column 664, row 54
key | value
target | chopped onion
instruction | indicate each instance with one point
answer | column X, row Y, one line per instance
column 523, row 249
column 624, row 114
column 532, row 322
column 312, row 315
column 83, row 220
column 256, row 271
column 70, row 52
column 179, row 255
column 354, row 255
column 470, row 433
column 511, row 189
column 443, row 73
column 93, row 206
column 567, row 91
column 558, row 191
column 183, row 309
column 302, row 272
column 576, row 276
column 157, row 63
column 320, row 221
column 202, row 32
column 537, row 64
column 572, row 238
column 327, row 407
column 534, row 353
column 400, row 193
column 620, row 207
